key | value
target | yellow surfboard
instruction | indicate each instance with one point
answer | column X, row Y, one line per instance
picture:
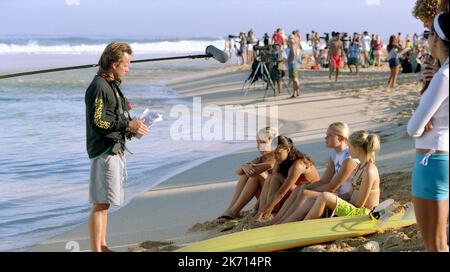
column 297, row 234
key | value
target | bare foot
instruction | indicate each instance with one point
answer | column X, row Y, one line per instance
column 223, row 218
column 106, row 249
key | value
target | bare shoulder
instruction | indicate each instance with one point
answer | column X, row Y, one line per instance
column 372, row 173
column 299, row 164
column 349, row 162
column 271, row 160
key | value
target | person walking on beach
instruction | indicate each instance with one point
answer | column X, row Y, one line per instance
column 298, row 40
column 276, row 64
column 354, row 55
column 242, row 52
column 415, row 41
column 251, row 41
column 293, row 62
column 366, row 42
column 335, row 54
column 429, row 126
column 394, row 63
column 399, row 39
column 278, row 37
column 315, row 44
column 108, row 126
column 408, row 42
column 377, row 47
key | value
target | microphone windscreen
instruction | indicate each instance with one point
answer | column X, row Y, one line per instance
column 217, row 54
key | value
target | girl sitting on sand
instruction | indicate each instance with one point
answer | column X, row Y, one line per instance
column 366, row 181
column 252, row 175
column 335, row 179
column 293, row 168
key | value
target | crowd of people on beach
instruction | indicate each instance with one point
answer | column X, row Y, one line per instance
column 281, row 52
column 285, row 181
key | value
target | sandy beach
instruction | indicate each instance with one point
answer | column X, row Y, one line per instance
column 165, row 219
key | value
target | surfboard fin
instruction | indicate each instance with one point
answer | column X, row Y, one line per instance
column 409, row 212
column 385, row 207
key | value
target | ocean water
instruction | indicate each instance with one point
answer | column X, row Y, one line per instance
column 44, row 168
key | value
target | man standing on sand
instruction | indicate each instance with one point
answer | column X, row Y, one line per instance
column 108, row 126
column 278, row 37
column 335, row 54
column 400, row 39
column 293, row 63
column 366, row 42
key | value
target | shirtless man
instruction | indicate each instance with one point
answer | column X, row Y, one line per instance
column 335, row 54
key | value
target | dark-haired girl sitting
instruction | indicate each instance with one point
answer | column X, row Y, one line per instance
column 293, row 168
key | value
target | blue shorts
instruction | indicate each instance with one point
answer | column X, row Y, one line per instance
column 431, row 181
column 394, row 62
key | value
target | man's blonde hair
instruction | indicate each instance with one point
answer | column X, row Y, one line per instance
column 341, row 128
column 267, row 133
column 113, row 53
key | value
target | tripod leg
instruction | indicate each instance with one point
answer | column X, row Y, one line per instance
column 266, row 73
column 268, row 76
column 243, row 86
column 253, row 78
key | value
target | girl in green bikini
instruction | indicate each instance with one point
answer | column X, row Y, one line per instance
column 366, row 181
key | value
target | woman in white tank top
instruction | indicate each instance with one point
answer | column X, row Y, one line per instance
column 340, row 168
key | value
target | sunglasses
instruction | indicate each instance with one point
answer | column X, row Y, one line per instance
column 427, row 34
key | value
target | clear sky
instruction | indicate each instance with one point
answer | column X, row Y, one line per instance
column 203, row 18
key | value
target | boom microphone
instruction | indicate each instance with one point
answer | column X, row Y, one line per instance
column 217, row 54
column 211, row 51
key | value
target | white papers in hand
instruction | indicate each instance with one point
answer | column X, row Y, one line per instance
column 150, row 117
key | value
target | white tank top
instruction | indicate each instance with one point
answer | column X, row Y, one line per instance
column 338, row 159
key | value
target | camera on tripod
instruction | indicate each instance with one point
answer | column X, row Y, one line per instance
column 261, row 52
column 261, row 48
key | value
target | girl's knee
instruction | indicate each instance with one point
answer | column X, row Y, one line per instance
column 321, row 197
column 327, row 196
